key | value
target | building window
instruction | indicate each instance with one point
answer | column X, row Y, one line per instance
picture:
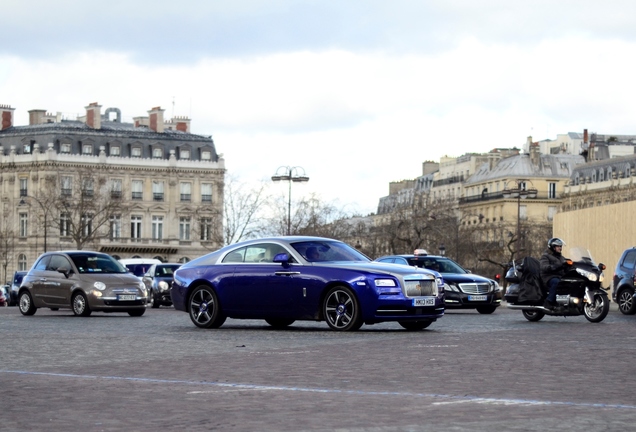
column 186, row 191
column 183, row 260
column 157, row 227
column 24, row 190
column 24, row 224
column 65, row 223
column 65, row 148
column 157, row 153
column 115, row 151
column 552, row 190
column 87, row 224
column 87, row 149
column 115, row 227
column 26, row 149
column 184, row 154
column 523, row 212
column 87, row 187
column 115, row 188
column 157, row 190
column 67, row 186
column 22, row 262
column 184, row 228
column 206, row 192
column 206, row 155
column 206, row 229
column 137, row 188
column 136, row 152
column 135, row 227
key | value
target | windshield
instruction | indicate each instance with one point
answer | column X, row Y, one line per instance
column 441, row 265
column 579, row 254
column 321, row 251
column 93, row 263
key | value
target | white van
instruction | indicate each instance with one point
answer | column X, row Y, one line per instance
column 139, row 266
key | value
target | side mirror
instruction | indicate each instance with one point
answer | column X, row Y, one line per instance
column 282, row 258
column 602, row 266
column 65, row 271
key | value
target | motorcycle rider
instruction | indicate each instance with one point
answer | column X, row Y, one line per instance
column 552, row 267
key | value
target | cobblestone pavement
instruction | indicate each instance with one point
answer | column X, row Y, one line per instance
column 466, row 372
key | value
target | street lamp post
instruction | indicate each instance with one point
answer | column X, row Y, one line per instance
column 44, row 210
column 519, row 192
column 290, row 174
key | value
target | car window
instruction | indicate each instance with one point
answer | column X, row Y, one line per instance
column 57, row 262
column 629, row 260
column 96, row 263
column 387, row 260
column 328, row 251
column 165, row 270
column 41, row 265
column 235, row 256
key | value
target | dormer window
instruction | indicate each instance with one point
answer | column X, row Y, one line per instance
column 115, row 151
column 136, row 152
column 87, row 149
column 65, row 148
column 157, row 153
column 206, row 155
column 184, row 154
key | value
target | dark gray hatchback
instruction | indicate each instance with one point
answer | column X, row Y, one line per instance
column 623, row 282
column 82, row 281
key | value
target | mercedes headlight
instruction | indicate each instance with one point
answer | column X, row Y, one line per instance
column 449, row 287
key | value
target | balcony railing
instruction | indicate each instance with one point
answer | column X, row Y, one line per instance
column 137, row 195
column 157, row 196
column 186, row 197
column 490, row 196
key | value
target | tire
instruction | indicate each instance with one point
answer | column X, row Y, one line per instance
column 80, row 306
column 486, row 310
column 414, row 325
column 25, row 303
column 341, row 309
column 204, row 308
column 532, row 315
column 625, row 300
column 597, row 311
column 154, row 301
column 136, row 312
column 279, row 322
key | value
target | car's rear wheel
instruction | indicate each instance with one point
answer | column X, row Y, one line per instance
column 205, row 310
column 136, row 312
column 279, row 322
column 25, row 303
column 486, row 310
column 342, row 310
column 625, row 300
column 414, row 325
column 80, row 305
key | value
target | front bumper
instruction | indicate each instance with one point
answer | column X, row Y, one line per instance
column 460, row 300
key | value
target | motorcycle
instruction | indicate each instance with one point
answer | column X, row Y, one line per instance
column 579, row 292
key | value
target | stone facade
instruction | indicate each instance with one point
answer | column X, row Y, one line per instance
column 169, row 180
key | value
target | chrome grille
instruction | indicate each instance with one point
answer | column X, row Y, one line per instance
column 475, row 288
column 417, row 288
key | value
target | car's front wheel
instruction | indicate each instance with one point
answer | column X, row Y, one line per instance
column 204, row 308
column 25, row 303
column 80, row 305
column 154, row 301
column 414, row 325
column 342, row 310
column 625, row 300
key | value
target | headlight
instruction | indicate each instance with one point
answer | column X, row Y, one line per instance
column 385, row 283
column 497, row 287
column 142, row 287
column 163, row 286
column 588, row 274
column 601, row 278
column 99, row 285
column 448, row 287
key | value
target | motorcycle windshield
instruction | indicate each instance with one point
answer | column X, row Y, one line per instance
column 583, row 255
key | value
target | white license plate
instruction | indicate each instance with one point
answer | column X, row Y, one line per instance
column 126, row 297
column 477, row 298
column 424, row 301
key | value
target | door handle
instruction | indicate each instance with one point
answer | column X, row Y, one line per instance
column 283, row 273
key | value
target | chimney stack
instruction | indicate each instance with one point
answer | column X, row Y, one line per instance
column 6, row 117
column 36, row 116
column 94, row 115
column 156, row 119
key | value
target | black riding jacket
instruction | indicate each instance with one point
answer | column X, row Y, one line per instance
column 552, row 265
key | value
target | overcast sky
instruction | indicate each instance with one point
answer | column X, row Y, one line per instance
column 358, row 93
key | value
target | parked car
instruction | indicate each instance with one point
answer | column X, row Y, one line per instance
column 284, row 279
column 158, row 280
column 15, row 287
column 82, row 281
column 139, row 266
column 623, row 282
column 463, row 290
column 4, row 295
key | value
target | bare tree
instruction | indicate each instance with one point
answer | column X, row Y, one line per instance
column 7, row 241
column 86, row 207
column 242, row 207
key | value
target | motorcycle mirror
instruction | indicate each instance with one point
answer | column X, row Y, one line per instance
column 602, row 266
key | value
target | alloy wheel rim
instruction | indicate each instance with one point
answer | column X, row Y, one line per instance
column 339, row 309
column 201, row 306
column 79, row 304
column 625, row 301
column 25, row 303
